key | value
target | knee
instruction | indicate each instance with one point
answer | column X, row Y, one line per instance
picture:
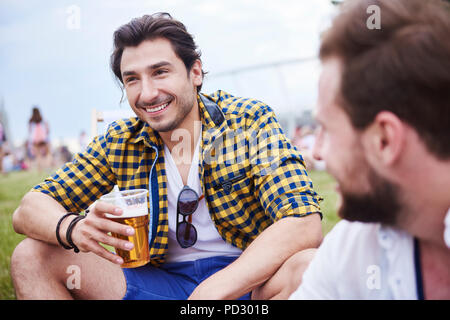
column 26, row 256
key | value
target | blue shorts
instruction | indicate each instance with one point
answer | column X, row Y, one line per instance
column 172, row 281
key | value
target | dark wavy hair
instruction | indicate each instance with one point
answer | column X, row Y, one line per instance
column 148, row 27
column 404, row 67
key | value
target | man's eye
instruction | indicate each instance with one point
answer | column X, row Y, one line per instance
column 130, row 79
column 160, row 72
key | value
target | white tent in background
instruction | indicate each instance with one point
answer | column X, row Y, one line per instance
column 106, row 117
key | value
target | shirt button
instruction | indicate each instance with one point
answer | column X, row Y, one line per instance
column 385, row 240
column 227, row 187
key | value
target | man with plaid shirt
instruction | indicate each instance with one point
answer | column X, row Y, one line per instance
column 254, row 225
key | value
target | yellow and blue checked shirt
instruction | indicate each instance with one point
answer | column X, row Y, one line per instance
column 250, row 173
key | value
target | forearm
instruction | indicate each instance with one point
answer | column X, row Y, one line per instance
column 263, row 257
column 37, row 217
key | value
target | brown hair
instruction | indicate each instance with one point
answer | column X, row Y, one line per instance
column 36, row 116
column 148, row 27
column 404, row 67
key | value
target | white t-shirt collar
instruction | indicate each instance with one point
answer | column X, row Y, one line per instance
column 447, row 229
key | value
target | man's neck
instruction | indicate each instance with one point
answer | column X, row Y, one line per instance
column 427, row 200
column 435, row 266
column 185, row 136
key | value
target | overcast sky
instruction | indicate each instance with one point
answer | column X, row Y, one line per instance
column 55, row 53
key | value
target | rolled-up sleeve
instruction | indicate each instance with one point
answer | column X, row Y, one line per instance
column 281, row 180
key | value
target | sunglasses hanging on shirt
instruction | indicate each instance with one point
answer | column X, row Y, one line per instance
column 187, row 203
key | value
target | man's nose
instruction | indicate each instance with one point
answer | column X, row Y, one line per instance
column 316, row 155
column 317, row 147
column 148, row 91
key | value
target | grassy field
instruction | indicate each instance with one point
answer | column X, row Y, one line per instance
column 12, row 188
column 14, row 185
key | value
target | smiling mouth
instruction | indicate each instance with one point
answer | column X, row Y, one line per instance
column 158, row 108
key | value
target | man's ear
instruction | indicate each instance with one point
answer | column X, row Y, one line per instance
column 384, row 140
column 196, row 73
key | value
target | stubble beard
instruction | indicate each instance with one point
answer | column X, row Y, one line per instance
column 380, row 205
column 183, row 108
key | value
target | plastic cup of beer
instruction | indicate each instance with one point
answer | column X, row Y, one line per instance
column 135, row 214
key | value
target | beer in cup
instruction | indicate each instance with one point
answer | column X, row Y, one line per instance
column 135, row 214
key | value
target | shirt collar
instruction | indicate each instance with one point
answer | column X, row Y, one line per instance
column 389, row 236
column 447, row 229
column 147, row 135
column 211, row 114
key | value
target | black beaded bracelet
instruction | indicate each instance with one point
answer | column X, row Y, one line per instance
column 69, row 232
column 57, row 230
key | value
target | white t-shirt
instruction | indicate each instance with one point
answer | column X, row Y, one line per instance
column 447, row 229
column 361, row 261
column 209, row 242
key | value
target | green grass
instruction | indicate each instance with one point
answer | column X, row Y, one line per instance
column 14, row 186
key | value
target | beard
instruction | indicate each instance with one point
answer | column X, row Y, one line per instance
column 182, row 109
column 380, row 205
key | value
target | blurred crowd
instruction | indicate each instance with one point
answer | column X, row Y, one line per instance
column 36, row 153
column 304, row 138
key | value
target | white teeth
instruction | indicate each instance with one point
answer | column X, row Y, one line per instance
column 157, row 108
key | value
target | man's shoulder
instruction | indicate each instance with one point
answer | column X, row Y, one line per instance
column 128, row 130
column 353, row 239
column 233, row 106
column 345, row 230
column 123, row 127
column 343, row 264
column 120, row 134
column 347, row 252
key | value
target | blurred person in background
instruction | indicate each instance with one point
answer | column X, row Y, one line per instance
column 39, row 140
column 304, row 139
column 62, row 155
column 384, row 114
column 83, row 140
